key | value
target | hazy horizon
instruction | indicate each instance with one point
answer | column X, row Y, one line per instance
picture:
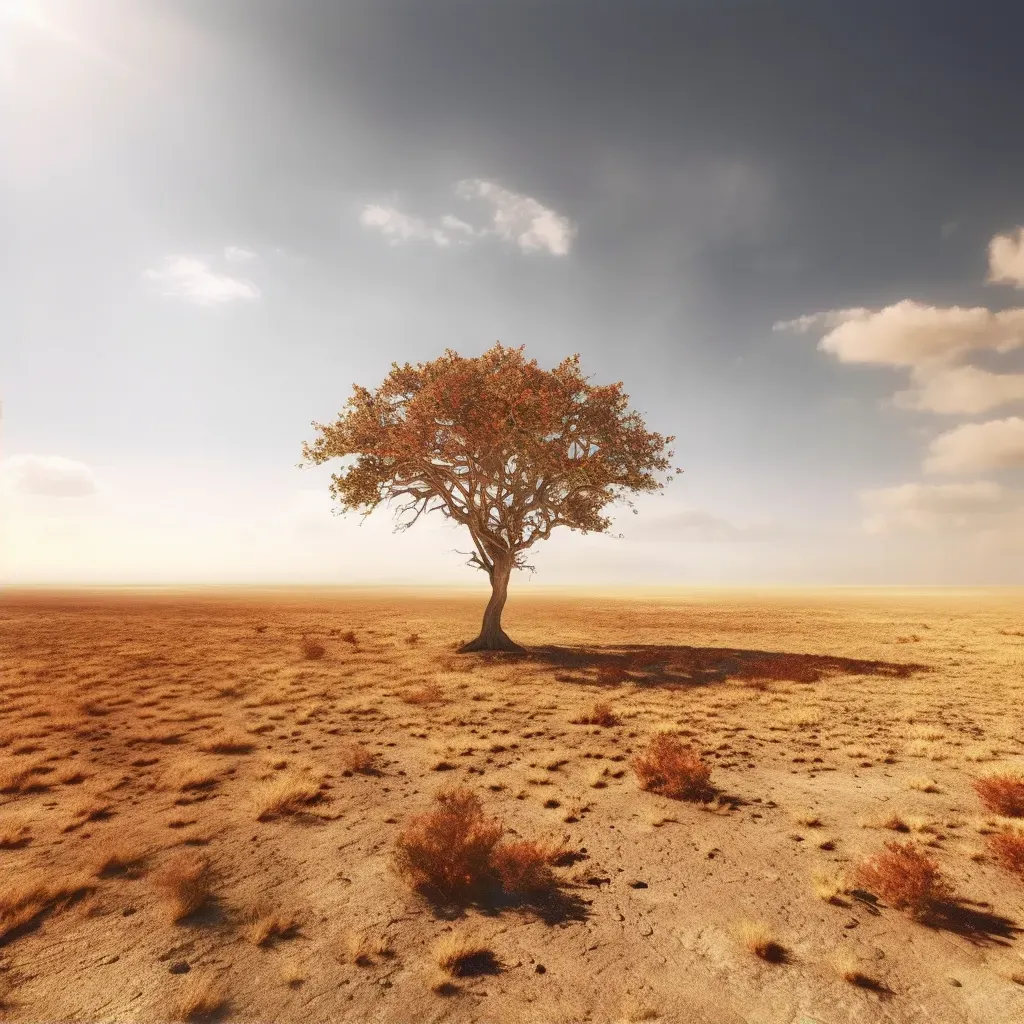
column 795, row 233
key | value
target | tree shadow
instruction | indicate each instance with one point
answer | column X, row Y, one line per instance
column 979, row 927
column 685, row 666
column 556, row 905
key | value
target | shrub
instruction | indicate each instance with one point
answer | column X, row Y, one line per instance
column 462, row 957
column 285, row 794
column 28, row 895
column 600, row 714
column 358, row 759
column 761, row 941
column 312, row 650
column 201, row 999
column 674, row 770
column 1007, row 847
column 906, row 878
column 429, row 693
column 1002, row 794
column 524, row 867
column 185, row 880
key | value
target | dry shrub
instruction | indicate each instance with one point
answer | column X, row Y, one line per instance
column 524, row 867
column 185, row 882
column 906, row 878
column 292, row 973
column 1002, row 794
column 312, row 650
column 285, row 794
column 15, row 832
column 264, row 925
column 829, row 883
column 201, row 999
column 119, row 856
column 761, row 941
column 227, row 741
column 448, row 850
column 26, row 897
column 429, row 693
column 601, row 714
column 357, row 759
column 1007, row 847
column 461, row 956
column 194, row 773
column 360, row 949
column 674, row 770
column 848, row 968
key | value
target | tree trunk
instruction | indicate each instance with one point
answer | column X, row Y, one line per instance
column 492, row 637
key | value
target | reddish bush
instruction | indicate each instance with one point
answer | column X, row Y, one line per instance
column 674, row 770
column 905, row 877
column 1002, row 794
column 1007, row 847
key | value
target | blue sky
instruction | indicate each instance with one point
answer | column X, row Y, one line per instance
column 793, row 230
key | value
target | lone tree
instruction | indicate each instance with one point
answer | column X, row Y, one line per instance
column 497, row 444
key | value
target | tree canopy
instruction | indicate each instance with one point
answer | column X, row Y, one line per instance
column 497, row 444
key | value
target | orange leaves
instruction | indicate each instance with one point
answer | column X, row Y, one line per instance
column 497, row 443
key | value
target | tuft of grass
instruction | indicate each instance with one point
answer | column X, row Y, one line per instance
column 312, row 650
column 1007, row 848
column 285, row 794
column 359, row 948
column 829, row 883
column 227, row 741
column 761, row 941
column 358, row 760
column 429, row 693
column 185, row 881
column 292, row 973
column 461, row 956
column 524, row 867
column 192, row 773
column 671, row 769
column 602, row 714
column 15, row 832
column 848, row 968
column 1002, row 794
column 924, row 785
column 26, row 897
column 905, row 877
column 120, row 856
column 265, row 924
column 201, row 1000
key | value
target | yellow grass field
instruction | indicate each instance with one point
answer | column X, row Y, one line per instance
column 201, row 795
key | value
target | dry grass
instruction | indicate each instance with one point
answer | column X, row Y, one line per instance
column 285, row 794
column 15, row 831
column 201, row 999
column 524, row 867
column 358, row 760
column 602, row 714
column 191, row 773
column 1002, row 794
column 227, row 741
column 829, row 883
column 186, row 884
column 27, row 897
column 850, row 970
column 759, row 938
column 1007, row 848
column 923, row 784
column 429, row 693
column 292, row 973
column 462, row 956
column 264, row 925
column 671, row 769
column 312, row 650
column 120, row 855
column 906, row 878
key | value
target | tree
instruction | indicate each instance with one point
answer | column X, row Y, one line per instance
column 497, row 444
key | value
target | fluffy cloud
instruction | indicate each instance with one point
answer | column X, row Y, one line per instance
column 514, row 218
column 909, row 333
column 960, row 389
column 997, row 444
column 935, row 507
column 49, row 476
column 192, row 279
column 521, row 219
column 1006, row 259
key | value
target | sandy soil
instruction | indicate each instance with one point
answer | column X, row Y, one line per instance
column 136, row 728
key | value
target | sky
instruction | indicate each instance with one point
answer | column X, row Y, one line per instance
column 794, row 230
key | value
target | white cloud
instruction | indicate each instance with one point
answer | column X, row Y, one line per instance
column 997, row 444
column 935, row 507
column 49, row 476
column 1006, row 259
column 960, row 389
column 191, row 278
column 521, row 219
column 909, row 333
column 236, row 254
column 515, row 218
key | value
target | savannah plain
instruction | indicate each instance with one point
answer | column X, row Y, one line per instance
column 205, row 796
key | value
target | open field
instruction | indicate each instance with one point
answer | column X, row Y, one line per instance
column 201, row 795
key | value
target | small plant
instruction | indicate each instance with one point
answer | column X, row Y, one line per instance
column 186, row 883
column 601, row 714
column 15, row 832
column 357, row 759
column 1002, row 794
column 429, row 693
column 906, row 878
column 673, row 770
column 26, row 897
column 201, row 1000
column 829, row 884
column 312, row 650
column 924, row 785
column 264, row 925
column 849, row 969
column 524, row 867
column 292, row 973
column 285, row 794
column 120, row 857
column 463, row 957
column 1007, row 847
column 761, row 941
column 448, row 850
column 227, row 741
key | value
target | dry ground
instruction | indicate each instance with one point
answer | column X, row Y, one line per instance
column 182, row 831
